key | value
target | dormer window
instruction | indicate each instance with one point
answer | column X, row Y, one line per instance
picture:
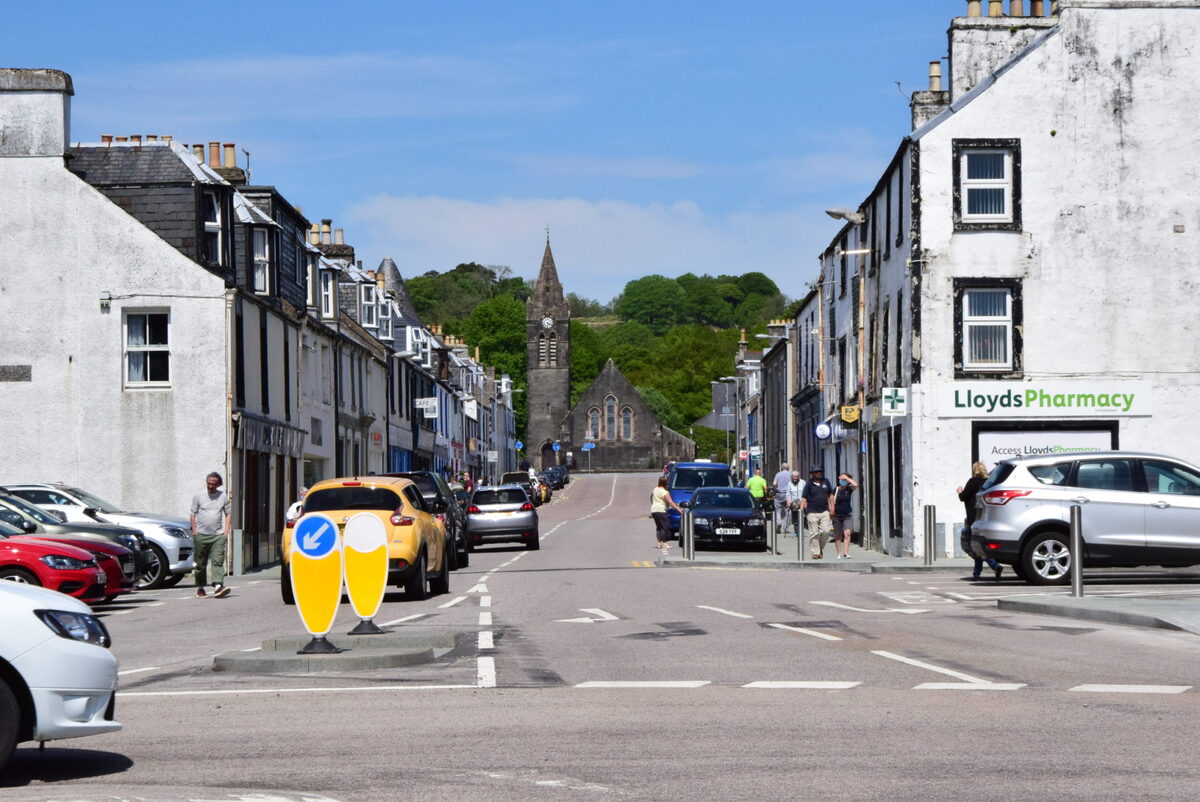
column 369, row 316
column 385, row 320
column 328, row 294
column 213, row 234
column 314, row 282
column 262, row 261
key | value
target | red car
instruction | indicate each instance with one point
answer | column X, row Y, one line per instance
column 117, row 562
column 52, row 564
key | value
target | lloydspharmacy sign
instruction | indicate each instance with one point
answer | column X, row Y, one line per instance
column 1045, row 399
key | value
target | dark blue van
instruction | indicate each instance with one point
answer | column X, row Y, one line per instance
column 685, row 477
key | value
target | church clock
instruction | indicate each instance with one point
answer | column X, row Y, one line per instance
column 547, row 322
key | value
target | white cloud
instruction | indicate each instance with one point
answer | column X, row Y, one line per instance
column 598, row 245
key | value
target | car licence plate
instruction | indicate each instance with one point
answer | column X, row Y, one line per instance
column 729, row 531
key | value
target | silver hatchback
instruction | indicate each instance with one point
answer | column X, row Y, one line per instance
column 503, row 514
column 1138, row 509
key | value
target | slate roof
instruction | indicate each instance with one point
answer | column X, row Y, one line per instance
column 393, row 283
column 124, row 163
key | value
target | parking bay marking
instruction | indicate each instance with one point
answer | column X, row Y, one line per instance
column 137, row 671
column 904, row 611
column 723, row 612
column 968, row 683
column 402, row 620
column 452, row 602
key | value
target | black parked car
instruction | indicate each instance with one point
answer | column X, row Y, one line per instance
column 727, row 516
column 444, row 504
column 552, row 477
column 522, row 478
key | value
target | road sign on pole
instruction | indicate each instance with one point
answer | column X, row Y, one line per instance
column 315, row 567
column 364, row 552
column 518, row 445
column 557, row 447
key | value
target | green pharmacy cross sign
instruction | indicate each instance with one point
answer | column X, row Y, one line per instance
column 895, row 401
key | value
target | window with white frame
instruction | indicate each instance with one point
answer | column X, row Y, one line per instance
column 147, row 349
column 262, row 261
column 385, row 319
column 369, row 306
column 213, row 233
column 314, row 286
column 987, row 174
column 989, row 319
column 328, row 294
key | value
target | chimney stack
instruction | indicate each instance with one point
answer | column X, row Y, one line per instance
column 214, row 154
column 35, row 112
column 230, row 155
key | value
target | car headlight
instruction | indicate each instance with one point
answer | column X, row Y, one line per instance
column 61, row 563
column 175, row 531
column 75, row 626
column 701, row 521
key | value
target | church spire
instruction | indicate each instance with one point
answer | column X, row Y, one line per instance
column 547, row 297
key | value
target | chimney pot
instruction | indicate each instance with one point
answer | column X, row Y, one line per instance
column 122, row 139
column 198, row 153
column 973, row 8
column 1037, row 8
column 995, row 8
column 1016, row 8
column 326, row 229
column 1054, row 8
column 338, row 237
column 151, row 137
column 166, row 138
column 935, row 76
column 136, row 139
column 214, row 154
column 106, row 139
column 230, row 155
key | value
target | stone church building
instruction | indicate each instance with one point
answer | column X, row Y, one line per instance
column 625, row 433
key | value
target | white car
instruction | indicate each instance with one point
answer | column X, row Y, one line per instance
column 171, row 544
column 57, row 677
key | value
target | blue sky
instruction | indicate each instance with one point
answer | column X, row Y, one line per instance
column 656, row 136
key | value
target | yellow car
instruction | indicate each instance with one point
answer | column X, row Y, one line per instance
column 417, row 546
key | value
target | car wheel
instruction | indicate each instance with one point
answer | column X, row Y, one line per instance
column 450, row 557
column 417, row 586
column 154, row 572
column 440, row 584
column 1047, row 560
column 19, row 575
column 10, row 721
column 534, row 543
column 285, row 586
column 464, row 556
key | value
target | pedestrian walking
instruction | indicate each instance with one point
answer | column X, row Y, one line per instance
column 297, row 508
column 794, row 497
column 757, row 486
column 660, row 500
column 210, row 530
column 783, row 518
column 966, row 494
column 843, row 514
column 815, row 504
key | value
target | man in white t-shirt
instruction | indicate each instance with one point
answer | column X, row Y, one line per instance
column 783, row 520
column 294, row 511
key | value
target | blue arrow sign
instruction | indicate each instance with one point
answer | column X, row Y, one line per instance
column 588, row 446
column 557, row 446
column 518, row 445
column 315, row 535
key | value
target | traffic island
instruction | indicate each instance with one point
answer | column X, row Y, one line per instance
column 360, row 653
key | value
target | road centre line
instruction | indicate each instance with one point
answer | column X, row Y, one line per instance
column 485, row 601
column 137, row 670
column 154, row 604
column 803, row 631
column 969, row 686
column 485, row 672
column 1131, row 688
column 480, row 588
column 485, row 619
column 815, row 685
column 413, row 617
column 723, row 612
column 949, row 672
column 261, row 691
column 486, row 641
column 452, row 602
column 646, row 684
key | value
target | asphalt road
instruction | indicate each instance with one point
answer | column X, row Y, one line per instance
column 587, row 673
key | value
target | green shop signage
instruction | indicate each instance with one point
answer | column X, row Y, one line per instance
column 1055, row 398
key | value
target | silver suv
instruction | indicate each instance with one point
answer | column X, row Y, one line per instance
column 1138, row 509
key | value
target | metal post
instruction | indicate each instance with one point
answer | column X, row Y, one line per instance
column 772, row 529
column 687, row 535
column 800, row 549
column 930, row 532
column 1076, row 551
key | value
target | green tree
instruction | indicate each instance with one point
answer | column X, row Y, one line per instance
column 653, row 300
column 662, row 407
column 588, row 355
column 757, row 284
column 497, row 328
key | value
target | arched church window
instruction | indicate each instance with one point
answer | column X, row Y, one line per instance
column 626, row 424
column 552, row 339
column 610, row 418
column 594, row 422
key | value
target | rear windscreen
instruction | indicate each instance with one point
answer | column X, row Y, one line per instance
column 998, row 475
column 729, row 499
column 512, row 496
column 351, row 498
column 691, row 478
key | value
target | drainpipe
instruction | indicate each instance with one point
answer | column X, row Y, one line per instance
column 235, row 534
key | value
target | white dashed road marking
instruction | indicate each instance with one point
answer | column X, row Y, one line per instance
column 816, row 685
column 452, row 602
column 413, row 617
column 697, row 683
column 723, row 612
column 1132, row 688
column 904, row 611
column 803, row 631
column 136, row 671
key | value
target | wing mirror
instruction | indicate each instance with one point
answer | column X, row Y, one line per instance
column 29, row 527
column 59, row 514
column 439, row 507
